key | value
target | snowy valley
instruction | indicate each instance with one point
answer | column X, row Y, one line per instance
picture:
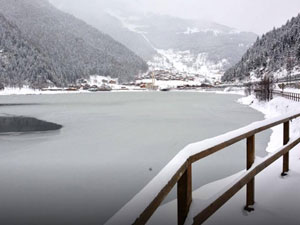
column 176, row 45
column 121, row 112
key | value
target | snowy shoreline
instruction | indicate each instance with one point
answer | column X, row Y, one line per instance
column 276, row 107
column 29, row 91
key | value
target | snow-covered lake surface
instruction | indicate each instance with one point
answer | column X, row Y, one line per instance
column 110, row 147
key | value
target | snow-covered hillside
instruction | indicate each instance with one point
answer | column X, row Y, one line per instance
column 60, row 48
column 276, row 53
column 169, row 43
column 187, row 62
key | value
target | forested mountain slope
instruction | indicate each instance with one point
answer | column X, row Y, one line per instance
column 21, row 63
column 73, row 49
column 276, row 53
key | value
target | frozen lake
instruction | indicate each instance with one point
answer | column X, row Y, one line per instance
column 88, row 170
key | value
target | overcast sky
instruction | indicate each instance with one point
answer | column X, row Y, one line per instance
column 258, row 16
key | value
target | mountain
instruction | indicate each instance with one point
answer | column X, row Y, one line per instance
column 193, row 46
column 21, row 63
column 168, row 42
column 73, row 48
column 276, row 53
column 112, row 25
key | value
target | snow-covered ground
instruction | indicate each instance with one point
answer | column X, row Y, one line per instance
column 277, row 198
column 277, row 106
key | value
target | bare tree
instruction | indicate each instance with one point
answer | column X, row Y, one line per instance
column 264, row 88
column 289, row 68
column 248, row 88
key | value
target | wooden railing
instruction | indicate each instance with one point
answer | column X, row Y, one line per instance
column 179, row 171
column 288, row 95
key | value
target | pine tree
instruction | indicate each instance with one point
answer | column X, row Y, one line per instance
column 298, row 53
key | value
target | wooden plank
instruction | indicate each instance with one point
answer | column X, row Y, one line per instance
column 184, row 195
column 238, row 138
column 238, row 185
column 250, row 151
column 286, row 138
column 250, row 160
column 250, row 195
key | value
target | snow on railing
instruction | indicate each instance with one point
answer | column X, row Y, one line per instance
column 139, row 209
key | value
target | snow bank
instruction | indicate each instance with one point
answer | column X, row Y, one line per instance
column 276, row 107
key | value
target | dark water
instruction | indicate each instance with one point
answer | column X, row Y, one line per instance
column 102, row 157
column 10, row 124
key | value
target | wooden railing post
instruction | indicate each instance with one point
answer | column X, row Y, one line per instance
column 251, row 185
column 286, row 138
column 184, row 195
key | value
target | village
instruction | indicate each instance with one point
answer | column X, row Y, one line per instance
column 157, row 80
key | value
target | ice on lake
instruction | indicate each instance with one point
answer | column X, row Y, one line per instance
column 111, row 145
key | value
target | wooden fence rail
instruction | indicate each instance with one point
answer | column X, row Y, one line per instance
column 288, row 95
column 150, row 198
